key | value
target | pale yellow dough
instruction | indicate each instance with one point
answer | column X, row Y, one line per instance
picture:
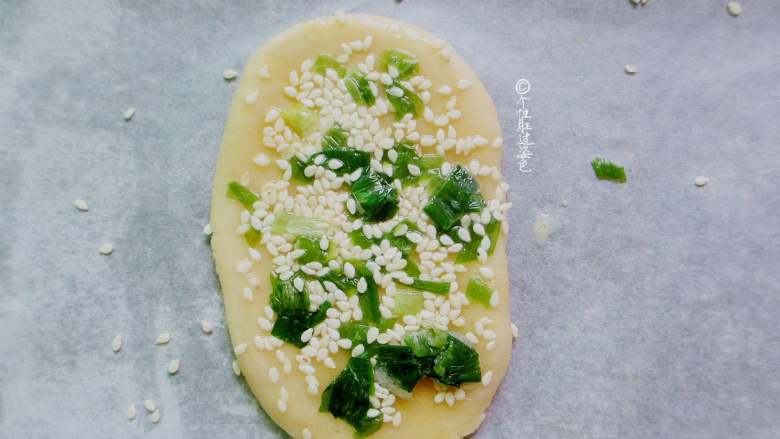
column 422, row 418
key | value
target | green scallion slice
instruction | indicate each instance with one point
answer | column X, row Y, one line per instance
column 430, row 286
column 426, row 342
column 312, row 251
column 397, row 366
column 456, row 196
column 407, row 303
column 300, row 119
column 297, row 166
column 457, row 363
column 406, row 63
column 335, row 137
column 347, row 397
column 240, row 193
column 325, row 62
column 292, row 311
column 359, row 87
column 405, row 104
column 606, row 170
column 478, row 291
column 375, row 195
column 298, row 225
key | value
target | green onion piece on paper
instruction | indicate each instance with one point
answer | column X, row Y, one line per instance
column 606, row 170
column 406, row 63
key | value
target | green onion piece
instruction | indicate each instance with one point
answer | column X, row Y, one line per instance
column 405, row 62
column 478, row 291
column 455, row 197
column 240, row 193
column 297, row 225
column 351, row 159
column 426, row 342
column 411, row 268
column 407, row 303
column 360, row 89
column 430, row 286
column 407, row 103
column 347, row 397
column 335, row 137
column 397, row 367
column 492, row 230
column 292, row 311
column 300, row 119
column 312, row 251
column 297, row 167
column 469, row 251
column 345, row 284
column 457, row 363
column 355, row 331
column 369, row 301
column 377, row 198
column 252, row 237
column 325, row 62
column 430, row 161
column 359, row 239
column 606, row 170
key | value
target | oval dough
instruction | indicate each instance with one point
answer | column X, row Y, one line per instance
column 242, row 141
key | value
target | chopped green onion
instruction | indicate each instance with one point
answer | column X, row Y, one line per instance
column 407, row 103
column 406, row 63
column 360, row 239
column 312, row 251
column 478, row 291
column 345, row 284
column 325, row 62
column 351, row 159
column 347, row 397
column 355, row 331
column 430, row 286
column 292, row 311
column 491, row 231
column 457, row 363
column 397, row 366
column 253, row 237
column 606, row 170
column 469, row 251
column 240, row 193
column 360, row 89
column 455, row 197
column 297, row 225
column 426, row 342
column 335, row 137
column 369, row 301
column 377, row 198
column 411, row 268
column 297, row 167
column 300, row 119
column 407, row 303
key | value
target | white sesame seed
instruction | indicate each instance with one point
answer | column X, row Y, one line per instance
column 262, row 160
column 229, row 74
column 397, row 419
column 273, row 375
column 439, row 398
column 488, row 334
column 373, row 413
column 444, row 89
column 149, row 405
column 131, row 412
column 163, row 338
column 358, row 350
column 630, row 69
column 81, row 205
column 128, row 114
column 281, row 405
column 464, row 84
column 106, row 249
column 487, row 377
column 263, row 72
column 490, row 345
column 464, row 235
column 116, row 343
column 206, row 326
column 701, row 181
column 173, row 366
column 494, row 299
column 515, row 331
column 306, row 434
column 207, row 229
column 486, row 272
column 362, row 285
column 236, row 369
column 734, row 8
column 244, row 266
column 155, row 416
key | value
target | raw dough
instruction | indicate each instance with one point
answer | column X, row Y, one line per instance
column 422, row 418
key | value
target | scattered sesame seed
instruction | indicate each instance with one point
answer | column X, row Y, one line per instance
column 131, row 412
column 163, row 338
column 206, row 327
column 229, row 74
column 701, row 181
column 734, row 8
column 630, row 69
column 273, row 375
column 262, row 160
column 487, row 378
column 106, row 249
column 239, row 348
column 236, row 369
column 149, row 405
column 128, row 114
column 116, row 343
column 515, row 331
column 251, row 98
column 463, row 84
column 207, row 229
column 263, row 72
column 358, row 350
column 155, row 416
column 486, row 272
column 249, row 296
column 306, row 434
column 81, row 205
column 173, row 366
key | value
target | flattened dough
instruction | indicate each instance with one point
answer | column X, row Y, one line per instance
column 422, row 418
